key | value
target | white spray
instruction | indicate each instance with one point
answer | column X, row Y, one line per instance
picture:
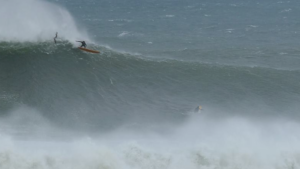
column 35, row 21
column 202, row 142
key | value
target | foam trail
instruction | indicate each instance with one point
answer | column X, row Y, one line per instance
column 36, row 20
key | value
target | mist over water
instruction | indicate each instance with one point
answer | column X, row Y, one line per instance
column 200, row 142
column 36, row 20
column 62, row 108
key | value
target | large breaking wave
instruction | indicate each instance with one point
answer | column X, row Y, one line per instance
column 106, row 89
column 64, row 108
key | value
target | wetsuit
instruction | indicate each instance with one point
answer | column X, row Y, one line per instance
column 83, row 44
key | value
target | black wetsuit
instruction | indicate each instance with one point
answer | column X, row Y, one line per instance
column 83, row 44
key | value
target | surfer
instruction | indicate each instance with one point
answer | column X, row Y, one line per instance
column 55, row 38
column 83, row 44
column 198, row 109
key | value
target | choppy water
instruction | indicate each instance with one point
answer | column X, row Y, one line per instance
column 131, row 106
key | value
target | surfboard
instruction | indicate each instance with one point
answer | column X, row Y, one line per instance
column 88, row 50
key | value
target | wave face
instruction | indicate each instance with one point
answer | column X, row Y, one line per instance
column 106, row 90
column 61, row 107
column 35, row 20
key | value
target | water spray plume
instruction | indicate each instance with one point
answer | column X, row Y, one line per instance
column 35, row 20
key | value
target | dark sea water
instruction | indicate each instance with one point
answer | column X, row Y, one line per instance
column 131, row 106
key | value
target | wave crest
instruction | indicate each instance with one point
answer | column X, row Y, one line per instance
column 36, row 20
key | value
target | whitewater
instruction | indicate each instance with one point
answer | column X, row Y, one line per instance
column 36, row 21
column 132, row 105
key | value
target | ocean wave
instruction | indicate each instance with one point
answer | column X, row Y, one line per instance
column 200, row 143
column 61, row 80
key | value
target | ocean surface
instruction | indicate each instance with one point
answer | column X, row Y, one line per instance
column 132, row 105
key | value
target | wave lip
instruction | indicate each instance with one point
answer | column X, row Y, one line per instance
column 35, row 20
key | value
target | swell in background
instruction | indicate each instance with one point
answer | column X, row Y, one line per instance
column 63, row 108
